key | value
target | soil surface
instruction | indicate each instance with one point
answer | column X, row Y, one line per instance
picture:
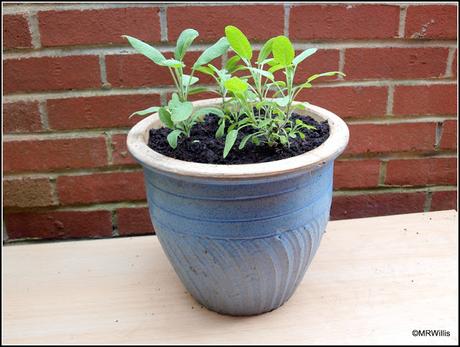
column 203, row 147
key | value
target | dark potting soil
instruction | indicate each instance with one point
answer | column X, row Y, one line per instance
column 203, row 147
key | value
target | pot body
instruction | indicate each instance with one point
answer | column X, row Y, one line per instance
column 240, row 246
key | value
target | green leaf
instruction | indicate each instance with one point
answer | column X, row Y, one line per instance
column 211, row 53
column 165, row 117
column 244, row 141
column 265, row 51
column 283, row 51
column 221, row 129
column 236, row 85
column 206, row 70
column 231, row 63
column 299, row 107
column 184, row 41
column 330, row 73
column 304, row 55
column 172, row 138
column 181, row 111
column 196, row 90
column 189, row 80
column 147, row 111
column 264, row 73
column 150, row 52
column 172, row 63
column 283, row 139
column 230, row 141
column 276, row 68
column 238, row 41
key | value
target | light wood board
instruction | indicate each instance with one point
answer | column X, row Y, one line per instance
column 373, row 280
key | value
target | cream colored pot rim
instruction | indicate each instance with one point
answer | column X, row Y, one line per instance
column 329, row 150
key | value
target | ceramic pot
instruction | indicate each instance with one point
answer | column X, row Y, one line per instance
column 240, row 237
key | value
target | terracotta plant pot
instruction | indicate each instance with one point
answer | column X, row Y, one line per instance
column 240, row 237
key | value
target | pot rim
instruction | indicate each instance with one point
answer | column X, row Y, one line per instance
column 329, row 150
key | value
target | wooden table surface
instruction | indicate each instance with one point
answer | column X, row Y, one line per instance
column 374, row 280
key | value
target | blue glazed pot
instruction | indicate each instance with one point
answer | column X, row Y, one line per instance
column 240, row 237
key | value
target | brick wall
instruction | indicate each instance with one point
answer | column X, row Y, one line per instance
column 70, row 82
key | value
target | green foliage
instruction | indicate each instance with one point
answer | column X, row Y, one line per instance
column 252, row 96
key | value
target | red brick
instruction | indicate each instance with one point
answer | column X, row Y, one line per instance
column 397, row 63
column 348, row 101
column 444, row 201
column 51, row 73
column 89, row 27
column 449, row 135
column 21, row 117
column 372, row 205
column 356, row 173
column 383, row 138
column 418, row 172
column 431, row 22
column 438, row 99
column 98, row 111
column 257, row 22
column 134, row 221
column 27, row 192
column 103, row 187
column 59, row 224
column 316, row 22
column 16, row 33
column 135, row 70
column 47, row 155
column 322, row 61
column 120, row 154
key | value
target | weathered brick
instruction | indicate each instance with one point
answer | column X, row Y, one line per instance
column 257, row 22
column 21, row 117
column 51, row 73
column 454, row 65
column 348, row 102
column 120, row 154
column 103, row 187
column 316, row 22
column 440, row 99
column 105, row 26
column 134, row 221
column 397, row 63
column 431, row 22
column 97, row 111
column 418, row 172
column 372, row 205
column 47, row 155
column 449, row 135
column 383, row 138
column 322, row 61
column 27, row 192
column 16, row 33
column 444, row 201
column 356, row 173
column 59, row 224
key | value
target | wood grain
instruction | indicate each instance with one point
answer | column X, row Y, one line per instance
column 373, row 280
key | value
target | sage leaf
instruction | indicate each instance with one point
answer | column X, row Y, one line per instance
column 330, row 73
column 265, row 51
column 147, row 111
column 181, row 111
column 165, row 117
column 304, row 55
column 238, row 41
column 231, row 63
column 189, row 80
column 172, row 63
column 236, row 85
column 172, row 138
column 211, row 53
column 221, row 129
column 230, row 141
column 244, row 141
column 283, row 51
column 183, row 42
column 150, row 52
